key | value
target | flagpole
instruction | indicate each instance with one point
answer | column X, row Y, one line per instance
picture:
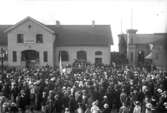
column 60, row 64
column 131, row 20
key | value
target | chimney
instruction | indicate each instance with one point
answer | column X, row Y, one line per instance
column 57, row 22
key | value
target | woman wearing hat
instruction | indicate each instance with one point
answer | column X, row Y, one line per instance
column 137, row 108
column 95, row 108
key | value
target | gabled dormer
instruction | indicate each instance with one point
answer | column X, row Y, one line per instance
column 29, row 26
column 29, row 31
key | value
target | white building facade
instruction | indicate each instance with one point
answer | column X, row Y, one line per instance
column 31, row 42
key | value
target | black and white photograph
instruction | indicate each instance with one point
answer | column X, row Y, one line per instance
column 83, row 56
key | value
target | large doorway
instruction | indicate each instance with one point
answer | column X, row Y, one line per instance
column 30, row 58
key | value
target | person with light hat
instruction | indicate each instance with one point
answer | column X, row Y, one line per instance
column 154, row 105
column 80, row 108
column 67, row 110
column 137, row 108
column 44, row 100
column 124, row 109
column 106, row 108
column 104, row 101
column 95, row 108
column 13, row 108
column 148, row 108
column 165, row 107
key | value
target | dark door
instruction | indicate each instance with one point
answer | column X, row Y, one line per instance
column 30, row 57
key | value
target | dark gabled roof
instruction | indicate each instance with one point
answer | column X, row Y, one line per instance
column 143, row 38
column 74, row 35
column 82, row 35
column 162, row 40
column 148, row 38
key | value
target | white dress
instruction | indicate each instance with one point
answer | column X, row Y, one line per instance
column 95, row 109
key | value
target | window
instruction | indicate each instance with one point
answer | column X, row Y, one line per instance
column 131, row 56
column 39, row 38
column 81, row 55
column 98, row 53
column 64, row 55
column 20, row 38
column 45, row 56
column 98, row 61
column 14, row 56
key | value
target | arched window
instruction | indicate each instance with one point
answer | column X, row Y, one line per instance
column 81, row 55
column 64, row 55
column 98, row 53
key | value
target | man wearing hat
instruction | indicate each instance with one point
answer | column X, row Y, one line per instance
column 106, row 109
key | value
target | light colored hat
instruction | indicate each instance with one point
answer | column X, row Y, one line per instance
column 53, row 78
column 159, row 90
column 105, row 96
column 66, row 109
column 106, row 105
column 165, row 103
column 95, row 102
column 50, row 91
column 137, row 102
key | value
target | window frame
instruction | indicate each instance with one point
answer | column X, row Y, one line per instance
column 45, row 56
column 14, row 56
column 131, row 56
column 65, row 57
column 98, row 53
column 20, row 38
column 39, row 38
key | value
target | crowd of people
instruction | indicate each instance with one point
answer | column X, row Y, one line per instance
column 97, row 89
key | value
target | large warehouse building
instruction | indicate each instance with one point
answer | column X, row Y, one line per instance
column 152, row 46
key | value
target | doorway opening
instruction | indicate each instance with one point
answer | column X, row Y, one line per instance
column 30, row 58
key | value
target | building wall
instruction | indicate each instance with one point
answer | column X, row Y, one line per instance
column 131, row 54
column 159, row 56
column 131, row 47
column 30, row 42
column 90, row 54
column 123, row 44
column 5, row 48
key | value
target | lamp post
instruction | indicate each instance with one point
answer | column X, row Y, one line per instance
column 3, row 53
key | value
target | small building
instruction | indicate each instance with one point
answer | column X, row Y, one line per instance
column 139, row 47
column 32, row 42
column 159, row 52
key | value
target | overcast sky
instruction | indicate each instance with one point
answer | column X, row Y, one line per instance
column 146, row 17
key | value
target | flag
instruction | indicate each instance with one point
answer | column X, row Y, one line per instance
column 60, row 65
